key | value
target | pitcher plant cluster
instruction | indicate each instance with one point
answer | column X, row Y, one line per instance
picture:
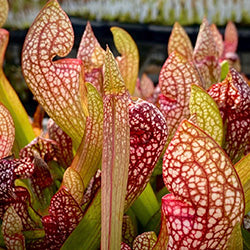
column 124, row 164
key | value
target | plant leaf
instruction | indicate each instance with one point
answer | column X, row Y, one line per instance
column 55, row 84
column 162, row 240
column 21, row 202
column 64, row 216
column 64, row 154
column 205, row 45
column 206, row 56
column 235, row 241
column 88, row 156
column 224, row 70
column 115, row 154
column 4, row 8
column 88, row 232
column 12, row 230
column 230, row 38
column 242, row 168
column 180, row 42
column 11, row 169
column 233, row 99
column 124, row 246
column 129, row 60
column 41, row 147
column 129, row 230
column 73, row 182
column 207, row 198
column 207, row 113
column 146, row 86
column 230, row 46
column 7, row 132
column 210, row 71
column 96, row 78
column 38, row 173
column 6, row 179
column 15, row 193
column 148, row 135
column 41, row 181
column 23, row 129
column 175, row 81
column 145, row 241
column 88, row 48
column 217, row 39
column 24, row 168
column 92, row 55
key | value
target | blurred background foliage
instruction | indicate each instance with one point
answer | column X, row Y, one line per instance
column 149, row 22
column 163, row 12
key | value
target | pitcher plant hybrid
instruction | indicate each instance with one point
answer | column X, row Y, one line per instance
column 124, row 164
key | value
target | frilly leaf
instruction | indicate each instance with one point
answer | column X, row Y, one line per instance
column 55, row 84
column 207, row 113
column 115, row 154
column 180, row 42
column 207, row 198
column 129, row 60
column 7, row 132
